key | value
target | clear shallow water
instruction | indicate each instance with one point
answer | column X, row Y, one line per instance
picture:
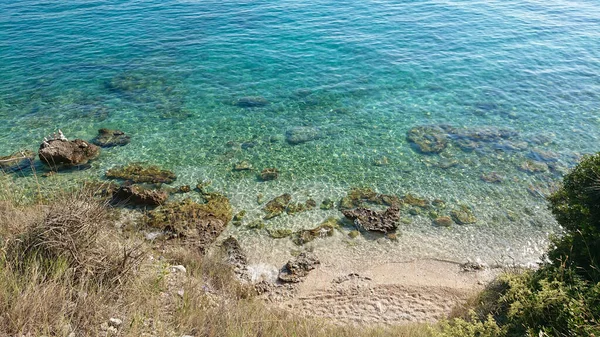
column 363, row 73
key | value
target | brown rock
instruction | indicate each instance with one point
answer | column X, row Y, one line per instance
column 385, row 221
column 138, row 195
column 61, row 153
column 297, row 269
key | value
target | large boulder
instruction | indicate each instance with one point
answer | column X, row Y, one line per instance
column 59, row 153
column 383, row 221
column 110, row 138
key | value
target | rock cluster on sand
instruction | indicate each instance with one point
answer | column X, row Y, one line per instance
column 383, row 221
column 298, row 268
column 59, row 153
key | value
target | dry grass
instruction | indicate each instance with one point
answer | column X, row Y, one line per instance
column 65, row 269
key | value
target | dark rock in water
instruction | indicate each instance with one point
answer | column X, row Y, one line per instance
column 138, row 195
column 385, row 221
column 248, row 145
column 463, row 215
column 358, row 197
column 277, row 206
column 269, row 174
column 492, row 177
column 428, row 139
column 294, row 208
column 17, row 161
column 445, row 163
column 483, row 134
column 302, row 134
column 110, row 138
column 251, row 102
column 467, row 145
column 59, row 153
column 198, row 224
column 412, row 200
column 139, row 173
column 298, row 268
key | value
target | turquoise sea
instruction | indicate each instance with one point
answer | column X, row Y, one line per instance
column 352, row 76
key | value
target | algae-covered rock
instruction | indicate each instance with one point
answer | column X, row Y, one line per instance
column 251, row 102
column 326, row 228
column 184, row 189
column 384, row 221
column 381, row 161
column 256, row 224
column 17, row 161
column 359, row 197
column 412, row 200
column 302, row 134
column 354, row 234
column 238, row 217
column 277, row 206
column 327, row 204
column 298, row 268
column 197, row 223
column 280, row 233
column 463, row 215
column 268, row 174
column 139, row 173
column 138, row 195
column 443, row 221
column 110, row 138
column 428, row 139
column 293, row 208
column 59, row 153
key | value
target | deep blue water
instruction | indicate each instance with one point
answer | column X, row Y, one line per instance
column 360, row 73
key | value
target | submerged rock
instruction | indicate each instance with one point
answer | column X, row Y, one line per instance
column 327, row 228
column 139, row 173
column 110, row 138
column 17, row 161
column 294, row 208
column 198, row 224
column 251, row 102
column 492, row 177
column 443, row 221
column 428, row 139
column 270, row 173
column 384, row 221
column 242, row 165
column 138, row 195
column 359, row 197
column 280, row 233
column 59, row 153
column 298, row 268
column 463, row 215
column 327, row 204
column 532, row 166
column 277, row 206
column 302, row 134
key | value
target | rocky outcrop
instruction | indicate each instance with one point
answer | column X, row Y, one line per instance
column 59, row 153
column 110, row 138
column 236, row 257
column 277, row 206
column 138, row 195
column 383, row 221
column 298, row 268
